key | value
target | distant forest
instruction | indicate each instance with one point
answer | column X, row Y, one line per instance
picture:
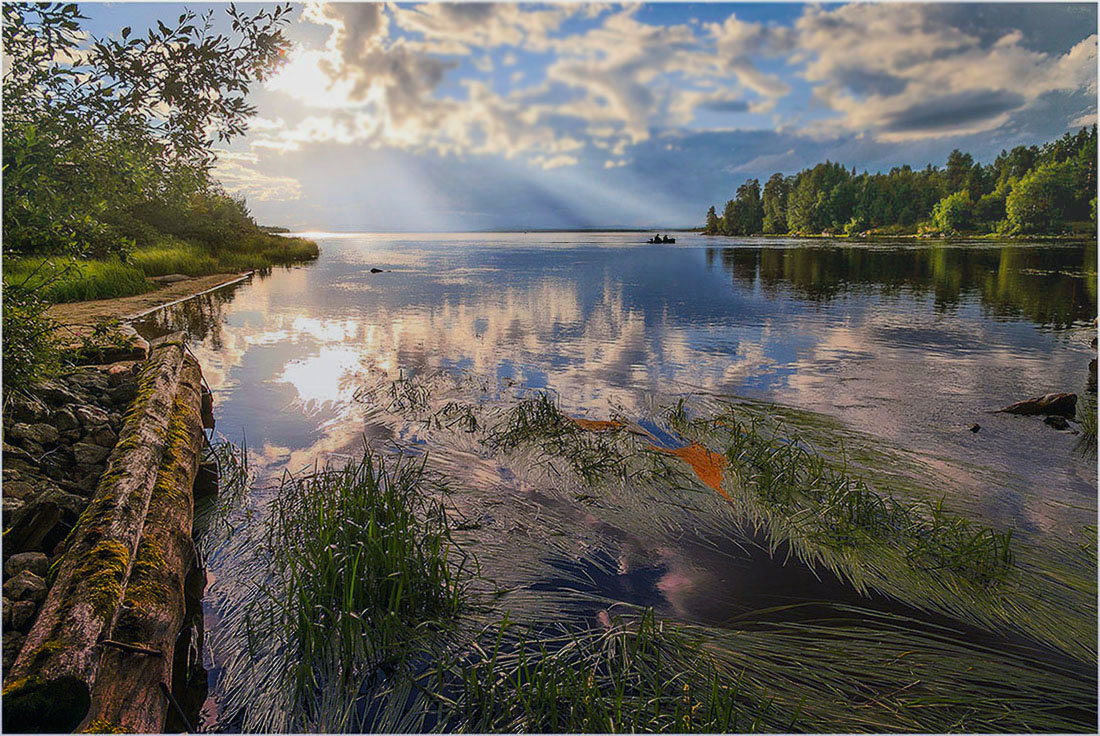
column 1049, row 189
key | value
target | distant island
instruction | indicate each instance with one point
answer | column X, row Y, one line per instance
column 1030, row 190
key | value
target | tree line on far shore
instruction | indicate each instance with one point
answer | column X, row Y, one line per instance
column 1029, row 190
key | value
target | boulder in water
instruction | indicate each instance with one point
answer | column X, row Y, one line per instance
column 1049, row 404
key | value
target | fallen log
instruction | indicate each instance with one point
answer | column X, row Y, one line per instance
column 49, row 687
column 127, row 694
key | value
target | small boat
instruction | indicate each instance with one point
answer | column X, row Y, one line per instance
column 658, row 240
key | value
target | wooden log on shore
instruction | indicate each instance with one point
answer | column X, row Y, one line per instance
column 49, row 687
column 127, row 694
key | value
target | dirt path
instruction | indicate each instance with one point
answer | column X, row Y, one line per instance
column 88, row 313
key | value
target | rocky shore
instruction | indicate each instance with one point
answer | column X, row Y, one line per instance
column 54, row 452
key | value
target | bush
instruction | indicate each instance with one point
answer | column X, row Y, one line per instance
column 29, row 351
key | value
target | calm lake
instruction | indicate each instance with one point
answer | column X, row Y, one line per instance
column 906, row 345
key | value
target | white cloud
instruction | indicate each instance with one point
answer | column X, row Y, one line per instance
column 238, row 174
column 895, row 71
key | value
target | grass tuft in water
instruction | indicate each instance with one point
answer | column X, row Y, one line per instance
column 538, row 421
column 837, row 509
column 631, row 676
column 359, row 577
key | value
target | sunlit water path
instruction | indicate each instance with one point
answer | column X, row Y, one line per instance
column 907, row 344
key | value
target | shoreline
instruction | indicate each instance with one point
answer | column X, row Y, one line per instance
column 125, row 308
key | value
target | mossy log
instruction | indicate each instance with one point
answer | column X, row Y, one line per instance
column 127, row 692
column 126, row 537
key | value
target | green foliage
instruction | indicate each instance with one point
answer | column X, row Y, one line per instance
column 73, row 280
column 774, row 202
column 1039, row 200
column 954, row 213
column 29, row 351
column 96, row 127
column 642, row 676
column 745, row 214
column 360, row 573
column 828, row 198
column 714, row 225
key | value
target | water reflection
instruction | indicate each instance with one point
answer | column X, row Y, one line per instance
column 1052, row 285
column 911, row 343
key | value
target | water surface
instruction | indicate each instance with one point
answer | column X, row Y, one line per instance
column 908, row 344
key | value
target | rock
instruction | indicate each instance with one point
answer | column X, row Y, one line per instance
column 25, row 410
column 54, row 393
column 11, row 452
column 975, row 427
column 20, row 489
column 123, row 394
column 42, row 522
column 10, row 506
column 36, row 562
column 172, row 278
column 22, row 615
column 58, row 465
column 90, row 380
column 1092, row 375
column 87, row 454
column 103, row 436
column 13, row 644
column 26, row 586
column 6, row 610
column 120, row 373
column 92, row 416
column 376, row 270
column 41, row 434
column 1056, row 421
column 20, row 465
column 1060, row 404
column 64, row 419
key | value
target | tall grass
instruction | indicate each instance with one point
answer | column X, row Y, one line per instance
column 633, row 675
column 74, row 280
column 359, row 575
column 182, row 258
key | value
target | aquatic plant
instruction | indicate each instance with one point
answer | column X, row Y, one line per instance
column 392, row 627
column 357, row 574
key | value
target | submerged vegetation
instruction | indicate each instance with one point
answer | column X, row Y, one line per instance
column 400, row 593
column 1028, row 190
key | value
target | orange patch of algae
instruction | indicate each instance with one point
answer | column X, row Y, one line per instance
column 595, row 425
column 708, row 466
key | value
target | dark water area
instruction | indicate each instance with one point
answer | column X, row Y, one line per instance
column 908, row 343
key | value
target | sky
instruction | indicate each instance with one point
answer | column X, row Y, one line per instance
column 448, row 116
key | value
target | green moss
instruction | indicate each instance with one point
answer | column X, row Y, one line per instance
column 103, row 726
column 147, row 584
column 103, row 569
column 48, row 647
